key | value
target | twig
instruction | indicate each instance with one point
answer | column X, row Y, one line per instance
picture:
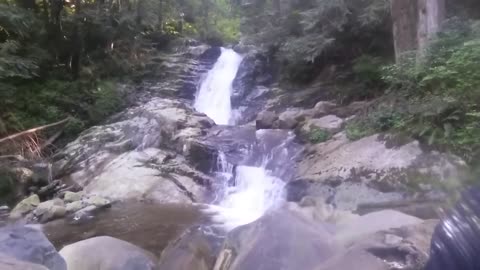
column 33, row 130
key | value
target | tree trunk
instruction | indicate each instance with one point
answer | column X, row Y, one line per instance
column 415, row 22
column 431, row 14
column 77, row 41
column 404, row 17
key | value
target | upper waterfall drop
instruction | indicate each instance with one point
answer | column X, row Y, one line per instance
column 213, row 96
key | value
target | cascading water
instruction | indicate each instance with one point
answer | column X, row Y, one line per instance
column 250, row 189
column 213, row 97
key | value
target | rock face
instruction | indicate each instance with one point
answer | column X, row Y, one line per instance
column 30, row 245
column 135, row 156
column 107, row 253
column 369, row 170
column 252, row 72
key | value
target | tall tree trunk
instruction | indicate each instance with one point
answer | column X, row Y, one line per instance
column 415, row 22
column 404, row 17
column 431, row 14
column 77, row 41
column 27, row 4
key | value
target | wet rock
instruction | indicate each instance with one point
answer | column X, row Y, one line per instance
column 10, row 263
column 107, row 253
column 266, row 120
column 26, row 206
column 69, row 196
column 30, row 245
column 191, row 251
column 211, row 55
column 251, row 72
column 50, row 210
column 267, row 244
column 201, row 155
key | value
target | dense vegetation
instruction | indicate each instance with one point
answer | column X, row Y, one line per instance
column 63, row 59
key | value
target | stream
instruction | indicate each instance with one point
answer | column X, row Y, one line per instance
column 244, row 192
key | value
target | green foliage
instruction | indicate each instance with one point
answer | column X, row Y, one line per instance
column 318, row 135
column 358, row 129
column 368, row 70
column 435, row 96
column 320, row 31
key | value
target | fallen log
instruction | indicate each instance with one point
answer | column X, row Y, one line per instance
column 33, row 130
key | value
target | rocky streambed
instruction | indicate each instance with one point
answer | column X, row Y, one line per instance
column 163, row 186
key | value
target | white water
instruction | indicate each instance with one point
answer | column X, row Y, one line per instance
column 213, row 97
column 254, row 190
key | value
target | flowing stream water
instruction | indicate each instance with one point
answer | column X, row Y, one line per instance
column 254, row 188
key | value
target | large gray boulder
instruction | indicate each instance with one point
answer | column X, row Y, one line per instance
column 279, row 240
column 192, row 251
column 374, row 170
column 30, row 245
column 107, row 253
column 134, row 156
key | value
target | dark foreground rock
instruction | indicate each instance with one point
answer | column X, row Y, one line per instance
column 279, row 240
column 192, row 251
column 107, row 253
column 318, row 238
column 10, row 263
column 30, row 245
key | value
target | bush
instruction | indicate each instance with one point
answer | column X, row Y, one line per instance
column 437, row 96
column 318, row 135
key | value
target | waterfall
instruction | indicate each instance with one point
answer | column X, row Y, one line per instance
column 213, row 97
column 249, row 190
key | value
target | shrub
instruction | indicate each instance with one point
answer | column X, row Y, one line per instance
column 318, row 135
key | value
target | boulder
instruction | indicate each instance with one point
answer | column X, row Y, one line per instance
column 406, row 247
column 97, row 201
column 372, row 171
column 191, row 251
column 10, row 263
column 107, row 253
column 278, row 240
column 50, row 210
column 75, row 206
column 323, row 108
column 30, row 245
column 72, row 196
column 360, row 227
column 330, row 123
column 266, row 120
column 26, row 206
column 290, row 118
column 125, row 159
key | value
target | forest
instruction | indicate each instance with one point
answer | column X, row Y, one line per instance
column 65, row 59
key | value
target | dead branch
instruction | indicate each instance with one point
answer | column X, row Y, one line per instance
column 33, row 130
